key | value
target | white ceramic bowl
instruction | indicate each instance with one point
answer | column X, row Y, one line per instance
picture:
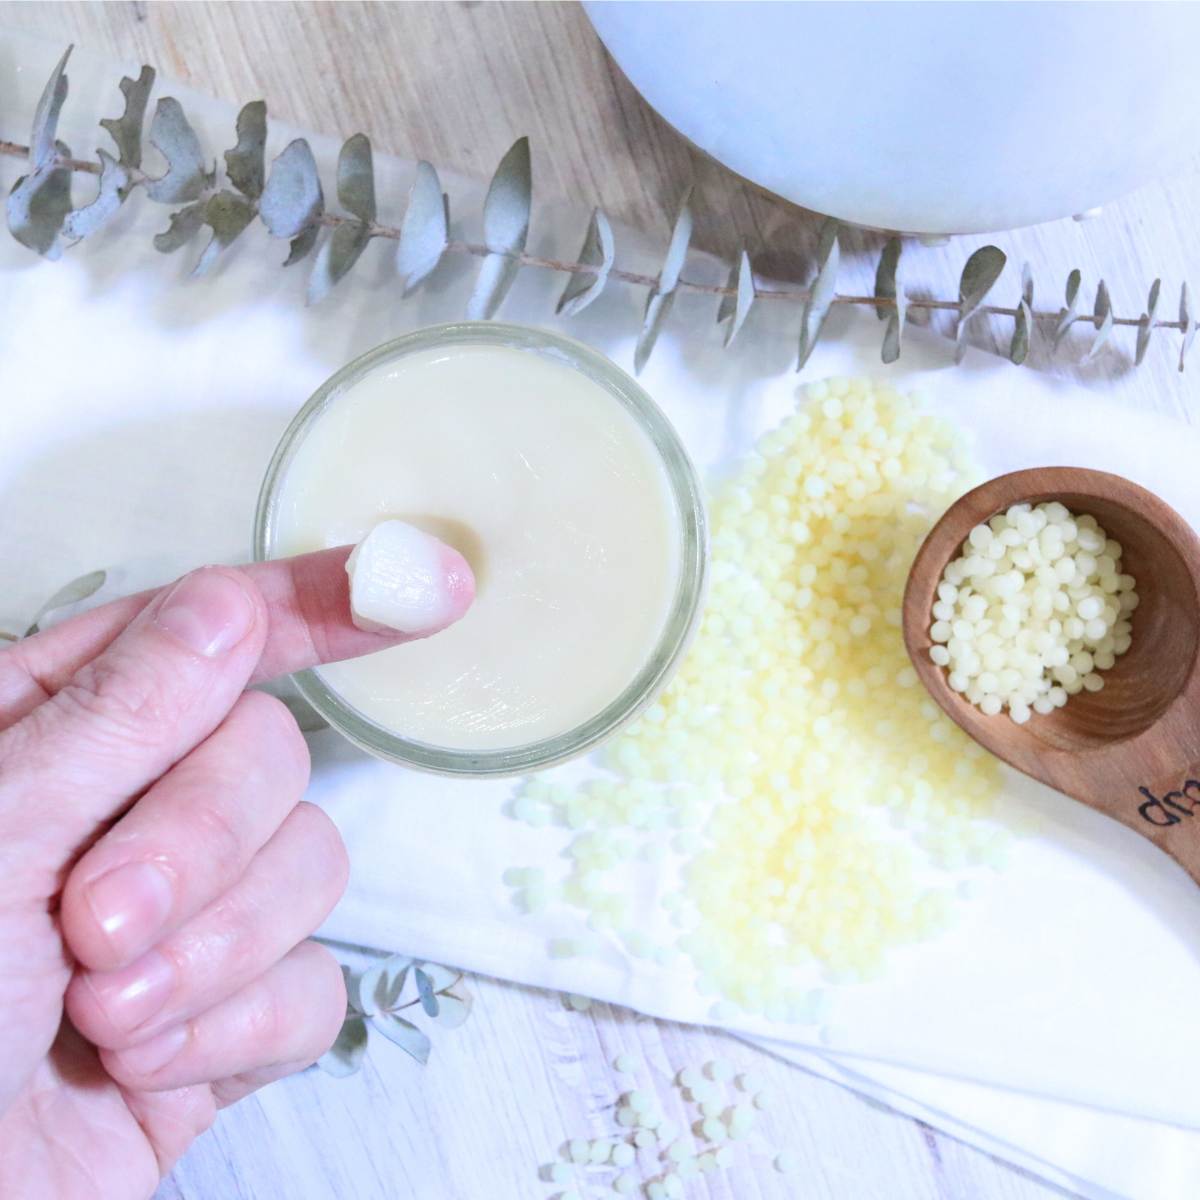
column 923, row 117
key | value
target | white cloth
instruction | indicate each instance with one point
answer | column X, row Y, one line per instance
column 1052, row 1025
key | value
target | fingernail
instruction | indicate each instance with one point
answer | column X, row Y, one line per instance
column 404, row 580
column 131, row 996
column 208, row 611
column 131, row 904
column 147, row 1057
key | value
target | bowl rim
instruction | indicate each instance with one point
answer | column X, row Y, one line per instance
column 678, row 628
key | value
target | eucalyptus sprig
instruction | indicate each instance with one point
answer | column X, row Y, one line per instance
column 379, row 995
column 290, row 202
column 70, row 593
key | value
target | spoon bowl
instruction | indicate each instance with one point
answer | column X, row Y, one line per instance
column 1132, row 749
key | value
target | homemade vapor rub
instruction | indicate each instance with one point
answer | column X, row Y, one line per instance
column 794, row 767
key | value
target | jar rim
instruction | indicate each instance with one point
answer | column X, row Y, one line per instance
column 683, row 614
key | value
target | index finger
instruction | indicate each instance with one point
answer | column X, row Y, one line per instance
column 308, row 606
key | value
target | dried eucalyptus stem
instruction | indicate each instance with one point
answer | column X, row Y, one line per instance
column 290, row 202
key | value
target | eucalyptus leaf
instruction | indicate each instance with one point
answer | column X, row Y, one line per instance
column 173, row 136
column 1018, row 350
column 227, row 215
column 114, row 187
column 658, row 308
column 662, row 296
column 441, row 977
column 497, row 274
column 425, row 229
column 392, row 977
column 39, row 204
column 1146, row 324
column 302, row 244
column 598, row 252
column 184, row 226
column 1102, row 318
column 345, row 1056
column 893, row 335
column 453, row 1010
column 506, row 210
column 885, row 275
column 1067, row 315
column 245, row 164
column 821, row 293
column 888, row 286
column 42, row 138
column 1185, row 319
column 363, row 990
column 126, row 130
column 738, row 305
column 356, row 178
column 70, row 593
column 292, row 202
column 979, row 276
column 429, row 1002
column 339, row 252
column 405, row 1034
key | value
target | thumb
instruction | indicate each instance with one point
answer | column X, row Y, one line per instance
column 164, row 684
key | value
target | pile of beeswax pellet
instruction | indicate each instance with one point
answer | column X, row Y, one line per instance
column 1032, row 611
column 794, row 767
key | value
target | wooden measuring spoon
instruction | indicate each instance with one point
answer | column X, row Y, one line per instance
column 1131, row 750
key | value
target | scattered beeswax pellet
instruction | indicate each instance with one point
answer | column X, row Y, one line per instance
column 626, row 1064
column 623, row 1154
column 666, row 1131
column 741, row 1118
column 601, row 1150
column 625, row 1185
column 786, row 1162
column 644, row 1139
column 719, row 1070
column 578, row 1150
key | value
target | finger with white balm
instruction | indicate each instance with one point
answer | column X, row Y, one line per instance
column 403, row 579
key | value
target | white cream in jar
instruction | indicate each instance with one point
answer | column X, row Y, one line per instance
column 555, row 492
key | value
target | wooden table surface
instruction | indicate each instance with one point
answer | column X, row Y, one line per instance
column 455, row 82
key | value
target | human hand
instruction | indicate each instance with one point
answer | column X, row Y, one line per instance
column 159, row 873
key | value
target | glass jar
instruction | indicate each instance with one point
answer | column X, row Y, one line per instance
column 684, row 610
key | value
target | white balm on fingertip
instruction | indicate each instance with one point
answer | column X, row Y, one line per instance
column 402, row 578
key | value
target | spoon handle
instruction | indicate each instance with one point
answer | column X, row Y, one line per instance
column 1168, row 812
